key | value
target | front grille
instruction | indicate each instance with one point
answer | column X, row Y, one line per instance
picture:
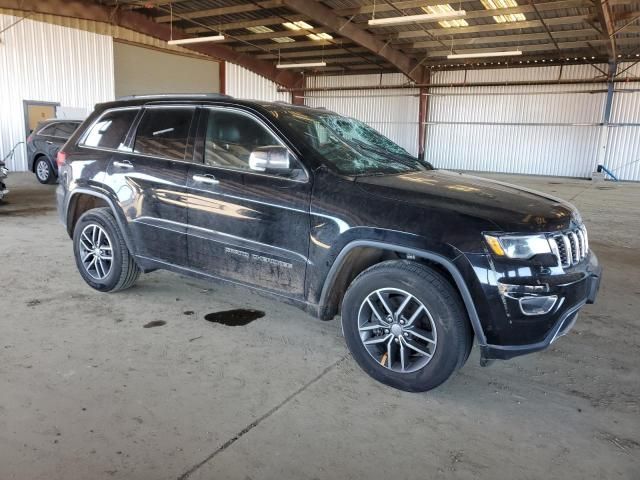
column 571, row 246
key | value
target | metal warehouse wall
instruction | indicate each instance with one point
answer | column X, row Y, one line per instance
column 50, row 63
column 394, row 113
column 242, row 83
column 622, row 154
column 541, row 130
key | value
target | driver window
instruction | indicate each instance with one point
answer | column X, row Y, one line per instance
column 231, row 137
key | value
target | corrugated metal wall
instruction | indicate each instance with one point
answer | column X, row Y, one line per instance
column 44, row 62
column 394, row 113
column 622, row 155
column 541, row 130
column 242, row 83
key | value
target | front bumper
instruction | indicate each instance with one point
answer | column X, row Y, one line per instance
column 510, row 331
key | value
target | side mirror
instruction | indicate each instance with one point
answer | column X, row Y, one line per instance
column 272, row 158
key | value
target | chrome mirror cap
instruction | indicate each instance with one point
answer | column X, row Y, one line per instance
column 272, row 158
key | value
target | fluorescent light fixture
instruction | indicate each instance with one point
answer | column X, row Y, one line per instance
column 302, row 65
column 185, row 41
column 509, row 53
column 427, row 17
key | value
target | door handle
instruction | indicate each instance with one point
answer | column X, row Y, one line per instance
column 123, row 164
column 208, row 179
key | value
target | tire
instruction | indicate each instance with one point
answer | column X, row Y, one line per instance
column 121, row 272
column 44, row 171
column 442, row 320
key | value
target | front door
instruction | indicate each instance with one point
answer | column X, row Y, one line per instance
column 244, row 225
column 149, row 179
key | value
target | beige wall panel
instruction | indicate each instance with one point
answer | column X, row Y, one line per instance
column 140, row 70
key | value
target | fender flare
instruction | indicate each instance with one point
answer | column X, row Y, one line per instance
column 428, row 255
column 121, row 224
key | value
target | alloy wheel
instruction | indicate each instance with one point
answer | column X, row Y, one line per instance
column 397, row 330
column 43, row 170
column 96, row 251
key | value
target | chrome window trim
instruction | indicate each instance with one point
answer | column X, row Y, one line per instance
column 272, row 132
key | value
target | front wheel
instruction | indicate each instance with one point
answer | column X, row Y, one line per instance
column 101, row 253
column 405, row 325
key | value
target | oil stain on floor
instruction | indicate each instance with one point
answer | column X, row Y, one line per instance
column 155, row 323
column 234, row 318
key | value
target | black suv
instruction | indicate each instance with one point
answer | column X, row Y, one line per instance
column 43, row 144
column 324, row 212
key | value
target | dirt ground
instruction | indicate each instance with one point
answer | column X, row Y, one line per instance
column 86, row 392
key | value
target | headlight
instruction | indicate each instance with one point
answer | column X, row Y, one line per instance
column 518, row 246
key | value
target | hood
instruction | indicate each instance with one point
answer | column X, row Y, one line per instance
column 510, row 208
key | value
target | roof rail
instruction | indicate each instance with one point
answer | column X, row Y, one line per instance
column 174, row 95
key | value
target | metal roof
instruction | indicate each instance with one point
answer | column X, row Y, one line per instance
column 554, row 31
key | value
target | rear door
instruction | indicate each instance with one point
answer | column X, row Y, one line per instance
column 244, row 225
column 148, row 176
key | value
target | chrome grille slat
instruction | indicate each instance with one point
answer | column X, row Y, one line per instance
column 583, row 252
column 571, row 247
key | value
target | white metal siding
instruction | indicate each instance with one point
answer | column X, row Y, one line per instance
column 49, row 63
column 242, row 83
column 537, row 129
column 394, row 113
column 622, row 156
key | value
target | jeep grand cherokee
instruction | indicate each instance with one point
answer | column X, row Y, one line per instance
column 324, row 212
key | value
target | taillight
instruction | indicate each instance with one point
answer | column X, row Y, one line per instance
column 29, row 138
column 61, row 158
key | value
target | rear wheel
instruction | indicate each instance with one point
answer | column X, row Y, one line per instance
column 405, row 325
column 101, row 254
column 44, row 171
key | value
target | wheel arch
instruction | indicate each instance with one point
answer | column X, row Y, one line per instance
column 82, row 200
column 343, row 270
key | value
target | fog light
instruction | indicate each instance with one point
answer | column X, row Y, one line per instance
column 537, row 305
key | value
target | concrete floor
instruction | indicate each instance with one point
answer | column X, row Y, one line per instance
column 87, row 393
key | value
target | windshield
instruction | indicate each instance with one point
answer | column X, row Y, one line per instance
column 351, row 146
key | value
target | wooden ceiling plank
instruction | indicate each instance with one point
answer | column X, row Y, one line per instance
column 607, row 25
column 215, row 12
column 497, row 27
column 246, row 23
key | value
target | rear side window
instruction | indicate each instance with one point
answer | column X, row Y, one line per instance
column 164, row 132
column 110, row 130
column 65, row 129
column 47, row 130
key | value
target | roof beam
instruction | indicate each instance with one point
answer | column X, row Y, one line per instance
column 137, row 22
column 516, row 39
column 348, row 30
column 496, row 27
column 541, row 47
column 387, row 7
column 245, row 23
column 269, row 35
column 215, row 12
column 608, row 27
